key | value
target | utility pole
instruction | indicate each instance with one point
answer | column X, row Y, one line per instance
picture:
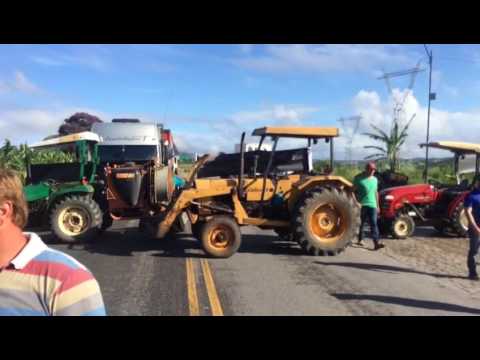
column 431, row 96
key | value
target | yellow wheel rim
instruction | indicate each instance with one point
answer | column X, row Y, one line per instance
column 327, row 224
column 401, row 228
column 74, row 221
column 220, row 237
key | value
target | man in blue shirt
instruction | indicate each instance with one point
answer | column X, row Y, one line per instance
column 472, row 206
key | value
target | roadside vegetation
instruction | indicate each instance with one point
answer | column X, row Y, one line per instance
column 439, row 170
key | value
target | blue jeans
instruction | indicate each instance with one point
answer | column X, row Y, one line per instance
column 369, row 214
column 474, row 244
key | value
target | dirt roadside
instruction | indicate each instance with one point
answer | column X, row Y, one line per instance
column 441, row 257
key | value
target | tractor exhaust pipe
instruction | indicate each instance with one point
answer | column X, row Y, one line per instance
column 242, row 167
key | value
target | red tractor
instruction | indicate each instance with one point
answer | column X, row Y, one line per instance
column 433, row 204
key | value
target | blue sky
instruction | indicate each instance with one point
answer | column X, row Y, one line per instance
column 208, row 94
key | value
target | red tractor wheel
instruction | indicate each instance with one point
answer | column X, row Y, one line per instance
column 402, row 227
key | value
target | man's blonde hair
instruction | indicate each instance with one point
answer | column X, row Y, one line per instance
column 11, row 189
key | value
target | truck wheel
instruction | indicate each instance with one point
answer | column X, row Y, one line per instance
column 326, row 221
column 459, row 220
column 221, row 237
column 75, row 219
column 402, row 227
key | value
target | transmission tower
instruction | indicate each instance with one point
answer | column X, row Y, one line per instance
column 350, row 128
column 398, row 107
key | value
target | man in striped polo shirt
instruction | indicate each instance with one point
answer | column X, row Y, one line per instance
column 34, row 279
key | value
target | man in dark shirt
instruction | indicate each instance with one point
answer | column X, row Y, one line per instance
column 472, row 206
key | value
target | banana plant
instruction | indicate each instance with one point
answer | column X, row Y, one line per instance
column 392, row 143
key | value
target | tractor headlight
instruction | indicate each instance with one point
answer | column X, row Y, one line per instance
column 389, row 197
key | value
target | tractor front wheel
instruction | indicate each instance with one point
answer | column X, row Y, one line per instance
column 402, row 227
column 76, row 218
column 220, row 236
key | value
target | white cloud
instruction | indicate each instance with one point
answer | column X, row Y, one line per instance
column 444, row 125
column 278, row 114
column 324, row 58
column 23, row 84
column 47, row 61
column 222, row 135
column 90, row 59
column 19, row 83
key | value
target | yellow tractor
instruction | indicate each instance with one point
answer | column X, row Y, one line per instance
column 275, row 189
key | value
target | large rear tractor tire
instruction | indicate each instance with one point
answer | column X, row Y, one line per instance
column 459, row 220
column 221, row 237
column 326, row 221
column 402, row 227
column 76, row 218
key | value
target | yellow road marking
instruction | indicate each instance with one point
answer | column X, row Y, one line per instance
column 192, row 289
column 211, row 290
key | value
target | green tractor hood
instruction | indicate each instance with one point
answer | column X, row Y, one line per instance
column 36, row 192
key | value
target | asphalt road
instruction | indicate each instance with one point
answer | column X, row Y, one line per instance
column 139, row 276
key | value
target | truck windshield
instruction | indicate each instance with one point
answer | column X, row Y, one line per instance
column 117, row 153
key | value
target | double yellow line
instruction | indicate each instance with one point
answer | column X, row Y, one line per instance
column 213, row 298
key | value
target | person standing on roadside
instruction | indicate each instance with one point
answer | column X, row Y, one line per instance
column 472, row 207
column 36, row 280
column 366, row 190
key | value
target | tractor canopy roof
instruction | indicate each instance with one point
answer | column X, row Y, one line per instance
column 297, row 132
column 460, row 148
column 67, row 139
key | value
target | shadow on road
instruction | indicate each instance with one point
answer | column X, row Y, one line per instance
column 268, row 244
column 126, row 242
column 423, row 304
column 387, row 269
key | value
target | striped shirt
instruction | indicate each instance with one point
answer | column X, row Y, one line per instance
column 41, row 281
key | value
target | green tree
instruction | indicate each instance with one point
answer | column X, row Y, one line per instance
column 392, row 143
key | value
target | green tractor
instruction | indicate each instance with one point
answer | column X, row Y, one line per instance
column 61, row 195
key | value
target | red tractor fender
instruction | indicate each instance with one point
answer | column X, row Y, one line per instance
column 453, row 205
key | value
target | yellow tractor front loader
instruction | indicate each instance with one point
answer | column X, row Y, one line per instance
column 275, row 189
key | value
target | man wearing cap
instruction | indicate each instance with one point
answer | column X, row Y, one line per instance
column 472, row 206
column 34, row 279
column 366, row 189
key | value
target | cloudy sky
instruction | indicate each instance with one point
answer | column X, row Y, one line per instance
column 209, row 94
